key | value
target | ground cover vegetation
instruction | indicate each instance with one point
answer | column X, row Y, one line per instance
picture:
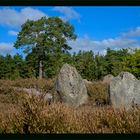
column 24, row 113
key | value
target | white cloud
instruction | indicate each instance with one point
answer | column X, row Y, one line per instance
column 132, row 33
column 68, row 13
column 6, row 48
column 12, row 33
column 100, row 46
column 116, row 43
column 13, row 18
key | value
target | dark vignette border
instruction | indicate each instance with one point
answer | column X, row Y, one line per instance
column 70, row 136
column 69, row 2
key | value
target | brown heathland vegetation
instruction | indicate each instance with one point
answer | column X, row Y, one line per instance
column 23, row 113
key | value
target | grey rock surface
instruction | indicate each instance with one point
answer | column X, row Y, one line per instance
column 33, row 91
column 125, row 91
column 108, row 78
column 87, row 82
column 70, row 87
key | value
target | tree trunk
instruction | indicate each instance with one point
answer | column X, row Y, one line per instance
column 40, row 69
column 44, row 74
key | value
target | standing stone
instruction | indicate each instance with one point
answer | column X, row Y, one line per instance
column 125, row 90
column 70, row 87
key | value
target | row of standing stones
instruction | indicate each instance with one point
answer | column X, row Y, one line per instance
column 70, row 88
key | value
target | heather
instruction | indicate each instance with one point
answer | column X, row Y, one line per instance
column 24, row 113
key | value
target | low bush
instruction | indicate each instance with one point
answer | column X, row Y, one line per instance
column 98, row 92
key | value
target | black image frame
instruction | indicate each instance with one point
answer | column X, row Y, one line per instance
column 70, row 3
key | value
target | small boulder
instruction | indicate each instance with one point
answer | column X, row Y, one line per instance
column 124, row 90
column 48, row 97
column 108, row 78
column 87, row 82
column 70, row 87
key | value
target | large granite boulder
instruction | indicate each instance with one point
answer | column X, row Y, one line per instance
column 125, row 90
column 70, row 87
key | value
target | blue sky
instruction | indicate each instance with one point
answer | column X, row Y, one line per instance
column 97, row 27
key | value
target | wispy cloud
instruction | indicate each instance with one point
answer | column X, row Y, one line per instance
column 12, row 33
column 68, row 12
column 6, row 48
column 132, row 33
column 11, row 17
column 85, row 43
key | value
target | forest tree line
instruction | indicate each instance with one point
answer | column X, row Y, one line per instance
column 46, row 43
column 91, row 66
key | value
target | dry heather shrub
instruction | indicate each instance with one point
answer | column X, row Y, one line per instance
column 35, row 116
column 9, row 92
column 8, row 95
column 61, row 118
column 31, row 114
column 41, row 84
column 108, row 120
column 98, row 92
column 6, row 83
column 8, row 113
column 26, row 119
column 103, row 120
